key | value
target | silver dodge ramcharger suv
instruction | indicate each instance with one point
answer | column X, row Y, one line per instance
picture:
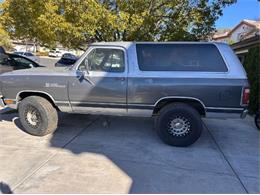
column 177, row 83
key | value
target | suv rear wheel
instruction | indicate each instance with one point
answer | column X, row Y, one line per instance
column 37, row 116
column 178, row 124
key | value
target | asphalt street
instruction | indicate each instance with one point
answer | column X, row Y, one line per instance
column 48, row 61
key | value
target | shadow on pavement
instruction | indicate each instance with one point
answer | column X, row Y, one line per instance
column 7, row 114
column 134, row 147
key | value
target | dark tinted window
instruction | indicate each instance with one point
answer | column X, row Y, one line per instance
column 4, row 60
column 28, row 54
column 180, row 57
column 21, row 63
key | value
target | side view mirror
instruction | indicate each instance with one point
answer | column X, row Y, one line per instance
column 81, row 74
column 31, row 65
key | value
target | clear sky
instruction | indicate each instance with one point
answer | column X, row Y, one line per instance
column 243, row 9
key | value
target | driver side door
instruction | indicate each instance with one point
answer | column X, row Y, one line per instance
column 103, row 88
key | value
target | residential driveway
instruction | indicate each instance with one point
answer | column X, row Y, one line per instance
column 90, row 155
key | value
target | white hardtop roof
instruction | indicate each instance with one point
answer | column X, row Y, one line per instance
column 126, row 44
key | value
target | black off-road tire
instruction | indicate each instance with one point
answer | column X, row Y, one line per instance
column 46, row 119
column 166, row 130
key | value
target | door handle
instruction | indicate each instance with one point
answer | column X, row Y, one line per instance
column 120, row 78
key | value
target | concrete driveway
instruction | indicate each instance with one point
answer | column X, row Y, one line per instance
column 88, row 155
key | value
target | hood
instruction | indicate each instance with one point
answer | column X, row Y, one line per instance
column 40, row 71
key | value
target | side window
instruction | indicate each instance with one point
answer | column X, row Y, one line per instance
column 105, row 60
column 180, row 57
column 21, row 63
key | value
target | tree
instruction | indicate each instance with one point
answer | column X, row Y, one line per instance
column 5, row 40
column 74, row 23
column 252, row 67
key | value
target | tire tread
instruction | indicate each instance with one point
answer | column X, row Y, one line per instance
column 50, row 111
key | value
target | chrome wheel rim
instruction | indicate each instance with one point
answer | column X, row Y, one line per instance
column 179, row 126
column 32, row 117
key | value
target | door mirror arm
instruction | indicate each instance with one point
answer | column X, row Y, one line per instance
column 86, row 67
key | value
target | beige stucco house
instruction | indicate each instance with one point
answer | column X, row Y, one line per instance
column 244, row 30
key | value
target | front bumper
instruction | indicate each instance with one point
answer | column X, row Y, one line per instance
column 8, row 103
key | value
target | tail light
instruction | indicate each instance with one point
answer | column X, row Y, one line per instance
column 245, row 96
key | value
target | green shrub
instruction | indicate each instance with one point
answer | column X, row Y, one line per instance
column 252, row 67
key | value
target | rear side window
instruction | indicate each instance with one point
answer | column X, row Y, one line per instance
column 180, row 57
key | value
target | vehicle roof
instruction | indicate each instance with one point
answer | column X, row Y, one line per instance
column 22, row 52
column 128, row 44
column 67, row 53
column 20, row 56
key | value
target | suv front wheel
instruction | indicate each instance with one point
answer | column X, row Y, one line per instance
column 178, row 124
column 37, row 116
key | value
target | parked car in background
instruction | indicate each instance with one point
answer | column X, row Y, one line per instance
column 10, row 62
column 67, row 59
column 55, row 53
column 28, row 55
column 2, row 50
column 176, row 83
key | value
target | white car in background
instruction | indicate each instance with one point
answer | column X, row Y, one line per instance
column 29, row 55
column 55, row 53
